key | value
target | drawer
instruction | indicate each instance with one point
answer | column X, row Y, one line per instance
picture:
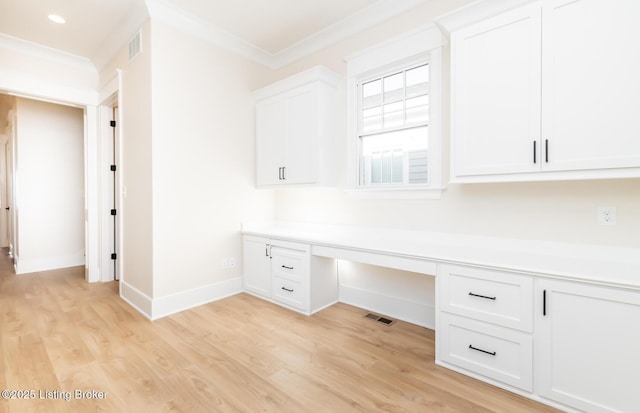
column 289, row 263
column 496, row 297
column 289, row 292
column 496, row 352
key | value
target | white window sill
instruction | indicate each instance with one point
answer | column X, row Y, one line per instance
column 396, row 193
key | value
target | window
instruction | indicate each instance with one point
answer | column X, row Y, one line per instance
column 393, row 128
column 394, row 118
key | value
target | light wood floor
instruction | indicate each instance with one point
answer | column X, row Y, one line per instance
column 241, row 354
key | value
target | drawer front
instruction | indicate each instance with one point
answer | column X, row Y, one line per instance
column 496, row 297
column 495, row 352
column 289, row 292
column 289, row 264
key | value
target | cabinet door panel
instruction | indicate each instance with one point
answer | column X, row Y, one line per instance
column 302, row 131
column 256, row 266
column 496, row 94
column 588, row 347
column 590, row 86
column 270, row 140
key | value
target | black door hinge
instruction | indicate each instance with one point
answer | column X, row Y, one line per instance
column 113, row 212
column 112, row 123
column 114, row 256
column 112, row 168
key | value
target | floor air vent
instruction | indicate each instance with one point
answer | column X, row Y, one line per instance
column 383, row 320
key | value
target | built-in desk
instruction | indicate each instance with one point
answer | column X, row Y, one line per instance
column 520, row 314
column 421, row 251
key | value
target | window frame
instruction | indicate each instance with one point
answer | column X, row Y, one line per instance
column 390, row 70
column 422, row 45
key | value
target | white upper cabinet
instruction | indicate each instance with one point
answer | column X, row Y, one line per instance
column 496, row 89
column 547, row 91
column 591, row 88
column 295, row 130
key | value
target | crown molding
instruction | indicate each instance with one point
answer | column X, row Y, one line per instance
column 475, row 12
column 163, row 11
column 25, row 47
column 375, row 14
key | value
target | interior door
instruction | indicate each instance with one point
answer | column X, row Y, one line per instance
column 11, row 211
column 4, row 205
column 114, row 192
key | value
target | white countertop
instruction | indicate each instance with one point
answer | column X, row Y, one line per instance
column 585, row 262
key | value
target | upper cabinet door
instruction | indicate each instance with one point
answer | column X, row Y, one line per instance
column 496, row 94
column 591, row 84
column 302, row 136
column 270, row 140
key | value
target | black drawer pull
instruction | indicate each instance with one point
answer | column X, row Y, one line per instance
column 482, row 296
column 289, row 268
column 491, row 353
column 286, row 289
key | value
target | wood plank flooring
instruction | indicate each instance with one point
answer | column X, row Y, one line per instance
column 60, row 334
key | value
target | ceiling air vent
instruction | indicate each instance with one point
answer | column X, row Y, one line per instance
column 134, row 46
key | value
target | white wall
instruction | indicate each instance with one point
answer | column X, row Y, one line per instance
column 49, row 186
column 188, row 167
column 203, row 165
column 135, row 170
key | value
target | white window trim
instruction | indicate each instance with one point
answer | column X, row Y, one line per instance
column 421, row 41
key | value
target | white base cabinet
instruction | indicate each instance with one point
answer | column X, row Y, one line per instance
column 588, row 346
column 285, row 273
column 485, row 323
column 567, row 343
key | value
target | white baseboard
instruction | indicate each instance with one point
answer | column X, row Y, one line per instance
column 422, row 314
column 24, row 266
column 136, row 298
column 174, row 303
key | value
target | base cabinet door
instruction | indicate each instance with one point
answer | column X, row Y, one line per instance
column 256, row 263
column 588, row 346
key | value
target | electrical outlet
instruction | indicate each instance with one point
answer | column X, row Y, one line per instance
column 226, row 263
column 607, row 215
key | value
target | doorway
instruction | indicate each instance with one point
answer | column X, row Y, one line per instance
column 44, row 141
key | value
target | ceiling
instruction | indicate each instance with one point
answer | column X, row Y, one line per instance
column 268, row 25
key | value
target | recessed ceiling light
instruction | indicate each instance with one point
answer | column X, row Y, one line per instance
column 57, row 19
